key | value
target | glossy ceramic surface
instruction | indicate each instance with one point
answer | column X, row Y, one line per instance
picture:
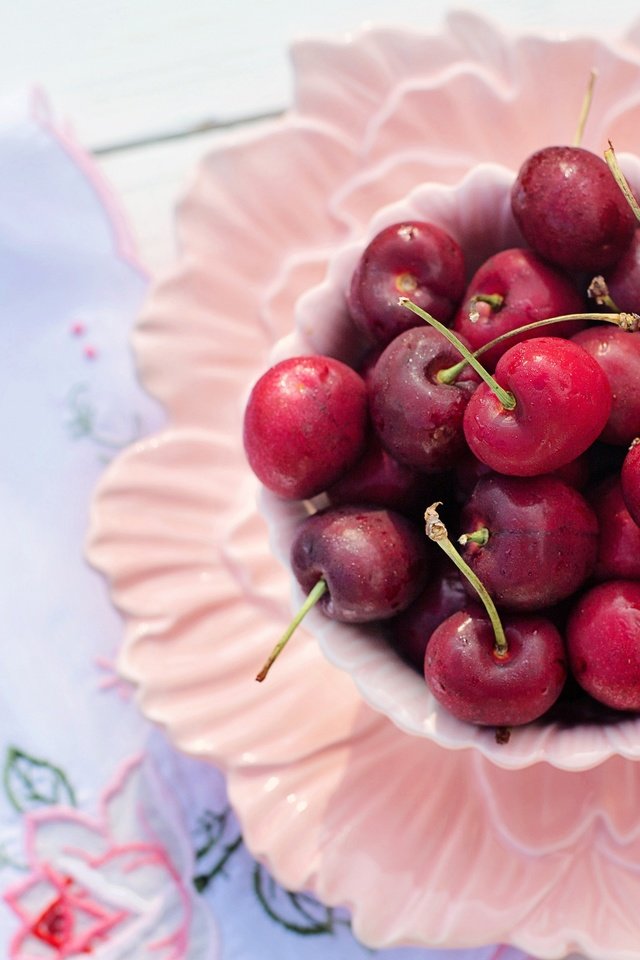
column 477, row 213
column 427, row 845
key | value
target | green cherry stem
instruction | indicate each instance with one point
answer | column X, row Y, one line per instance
column 436, row 531
column 629, row 322
column 494, row 300
column 505, row 397
column 621, row 180
column 480, row 536
column 586, row 107
column 599, row 291
column 312, row 598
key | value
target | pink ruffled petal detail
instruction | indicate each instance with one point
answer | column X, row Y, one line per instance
column 333, row 795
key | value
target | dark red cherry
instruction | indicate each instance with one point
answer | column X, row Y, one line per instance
column 623, row 280
column 409, row 632
column 618, row 354
column 630, row 480
column 474, row 683
column 513, row 288
column 619, row 537
column 468, row 470
column 541, row 539
column 412, row 259
column 378, row 479
column 562, row 403
column 570, row 209
column 373, row 561
column 417, row 418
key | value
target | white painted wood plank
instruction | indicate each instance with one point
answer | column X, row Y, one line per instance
column 122, row 69
column 146, row 184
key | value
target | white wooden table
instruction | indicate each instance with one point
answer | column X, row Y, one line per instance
column 148, row 85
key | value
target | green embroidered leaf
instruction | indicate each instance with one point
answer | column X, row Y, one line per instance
column 83, row 422
column 213, row 848
column 31, row 783
column 297, row 912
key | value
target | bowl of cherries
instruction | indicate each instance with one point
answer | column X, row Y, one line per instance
column 448, row 449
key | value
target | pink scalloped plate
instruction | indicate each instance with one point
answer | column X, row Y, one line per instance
column 427, row 845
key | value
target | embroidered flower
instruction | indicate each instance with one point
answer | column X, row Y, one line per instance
column 115, row 886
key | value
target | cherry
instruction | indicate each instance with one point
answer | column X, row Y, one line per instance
column 570, row 209
column 305, row 424
column 512, row 288
column 549, row 380
column 603, row 459
column 414, row 259
column 471, row 679
column 561, row 403
column 483, row 671
column 623, row 291
column 603, row 641
column 618, row 354
column 357, row 565
column 466, row 473
column 468, row 470
column 575, row 473
column 619, row 540
column 532, row 541
column 630, row 480
column 409, row 631
column 378, row 479
column 417, row 418
column 368, row 362
column 623, row 280
column 373, row 562
column 576, row 707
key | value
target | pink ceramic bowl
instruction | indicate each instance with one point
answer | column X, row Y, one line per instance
column 428, row 845
column 477, row 213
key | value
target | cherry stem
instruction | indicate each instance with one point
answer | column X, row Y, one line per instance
column 629, row 322
column 436, row 531
column 312, row 598
column 505, row 397
column 599, row 291
column 586, row 107
column 480, row 537
column 621, row 180
column 494, row 300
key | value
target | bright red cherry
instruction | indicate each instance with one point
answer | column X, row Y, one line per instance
column 562, row 402
column 603, row 641
column 305, row 424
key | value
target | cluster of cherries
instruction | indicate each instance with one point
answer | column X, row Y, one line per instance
column 525, row 426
